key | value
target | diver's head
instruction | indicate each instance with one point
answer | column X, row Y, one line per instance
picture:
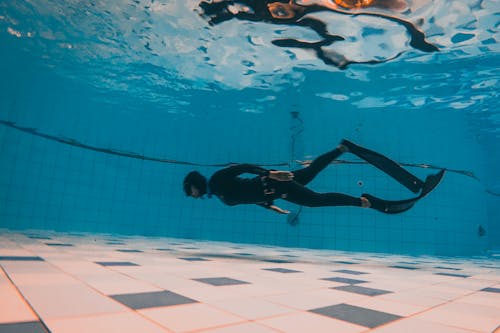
column 195, row 184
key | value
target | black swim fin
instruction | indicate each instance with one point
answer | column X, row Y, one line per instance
column 393, row 169
column 399, row 206
column 390, row 206
column 431, row 182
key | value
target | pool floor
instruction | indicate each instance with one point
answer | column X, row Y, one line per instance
column 79, row 282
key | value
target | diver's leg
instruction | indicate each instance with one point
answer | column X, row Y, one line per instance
column 305, row 175
column 393, row 169
column 301, row 195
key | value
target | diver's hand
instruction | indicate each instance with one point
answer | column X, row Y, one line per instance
column 282, row 176
column 279, row 210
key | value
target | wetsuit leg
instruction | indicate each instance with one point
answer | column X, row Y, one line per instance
column 301, row 195
column 305, row 175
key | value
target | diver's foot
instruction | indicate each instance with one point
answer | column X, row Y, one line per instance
column 365, row 203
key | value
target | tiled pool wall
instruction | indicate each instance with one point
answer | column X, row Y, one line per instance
column 50, row 185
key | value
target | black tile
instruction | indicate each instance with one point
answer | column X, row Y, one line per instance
column 344, row 280
column 356, row 315
column 23, row 327
column 115, row 263
column 277, row 261
column 448, row 268
column 347, row 271
column 221, row 281
column 219, row 255
column 491, row 290
column 20, row 258
column 345, row 262
column 455, row 275
column 281, row 270
column 129, row 251
column 362, row 290
column 404, row 267
column 40, row 237
column 152, row 299
column 194, row 259
column 59, row 244
column 358, row 259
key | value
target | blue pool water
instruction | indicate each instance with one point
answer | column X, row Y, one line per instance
column 104, row 104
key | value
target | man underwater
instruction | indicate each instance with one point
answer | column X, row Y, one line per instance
column 270, row 185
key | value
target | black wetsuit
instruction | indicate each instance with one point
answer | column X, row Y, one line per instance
column 261, row 190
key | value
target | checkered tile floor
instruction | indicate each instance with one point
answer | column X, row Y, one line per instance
column 60, row 282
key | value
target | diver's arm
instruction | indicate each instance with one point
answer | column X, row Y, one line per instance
column 279, row 210
column 275, row 208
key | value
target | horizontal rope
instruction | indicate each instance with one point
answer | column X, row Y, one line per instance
column 117, row 152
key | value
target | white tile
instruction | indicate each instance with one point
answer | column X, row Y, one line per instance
column 446, row 291
column 307, row 300
column 208, row 293
column 390, row 284
column 251, row 308
column 413, row 325
column 6, row 250
column 76, row 266
column 397, row 308
column 114, row 283
column 189, row 317
column 13, row 308
column 483, row 298
column 492, row 276
column 56, row 301
column 243, row 328
column 469, row 284
column 463, row 316
column 127, row 322
column 415, row 297
column 29, row 267
column 301, row 322
column 36, row 279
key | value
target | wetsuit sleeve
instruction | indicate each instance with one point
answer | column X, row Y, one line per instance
column 239, row 169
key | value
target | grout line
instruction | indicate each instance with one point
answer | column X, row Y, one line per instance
column 201, row 330
column 25, row 300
